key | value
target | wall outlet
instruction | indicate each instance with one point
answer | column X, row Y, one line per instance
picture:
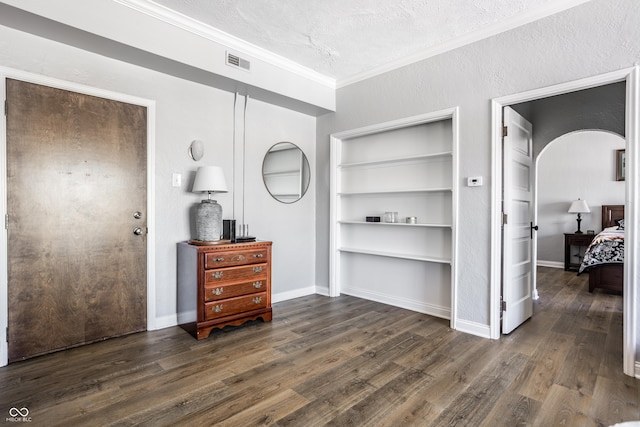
column 474, row 181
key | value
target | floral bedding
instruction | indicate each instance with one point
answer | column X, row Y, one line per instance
column 606, row 248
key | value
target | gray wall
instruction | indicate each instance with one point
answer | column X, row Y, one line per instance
column 590, row 39
column 577, row 165
column 601, row 107
column 583, row 164
column 186, row 111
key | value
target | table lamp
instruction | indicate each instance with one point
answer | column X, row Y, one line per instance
column 579, row 207
column 209, row 179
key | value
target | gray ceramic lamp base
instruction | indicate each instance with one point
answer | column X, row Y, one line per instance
column 208, row 221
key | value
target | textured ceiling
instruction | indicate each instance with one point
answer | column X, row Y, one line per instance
column 342, row 38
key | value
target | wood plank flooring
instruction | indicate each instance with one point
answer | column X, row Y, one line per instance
column 346, row 361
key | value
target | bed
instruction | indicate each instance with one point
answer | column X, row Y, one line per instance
column 604, row 258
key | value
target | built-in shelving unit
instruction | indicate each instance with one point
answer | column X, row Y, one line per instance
column 406, row 166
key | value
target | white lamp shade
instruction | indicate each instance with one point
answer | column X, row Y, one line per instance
column 209, row 179
column 579, row 206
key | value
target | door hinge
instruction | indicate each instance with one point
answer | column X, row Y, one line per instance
column 504, row 218
column 7, row 334
column 6, row 221
column 505, row 131
column 503, row 305
column 6, row 107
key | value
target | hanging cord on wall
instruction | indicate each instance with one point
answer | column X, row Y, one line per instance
column 244, row 151
column 233, row 167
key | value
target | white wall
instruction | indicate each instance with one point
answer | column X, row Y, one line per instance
column 291, row 227
column 590, row 39
column 576, row 165
column 187, row 111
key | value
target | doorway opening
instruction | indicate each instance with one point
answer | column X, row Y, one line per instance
column 629, row 77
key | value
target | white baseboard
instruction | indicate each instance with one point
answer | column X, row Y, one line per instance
column 323, row 290
column 409, row 304
column 552, row 264
column 167, row 321
column 174, row 320
column 296, row 293
column 473, row 328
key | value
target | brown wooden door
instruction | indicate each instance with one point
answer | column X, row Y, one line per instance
column 76, row 176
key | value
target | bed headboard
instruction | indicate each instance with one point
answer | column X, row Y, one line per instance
column 611, row 214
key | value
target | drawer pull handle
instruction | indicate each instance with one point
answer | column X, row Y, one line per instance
column 257, row 269
column 257, row 300
column 217, row 308
column 219, row 259
column 258, row 255
column 238, row 258
column 218, row 275
column 218, row 291
column 257, row 285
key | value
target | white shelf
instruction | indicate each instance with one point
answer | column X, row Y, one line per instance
column 406, row 191
column 407, row 166
column 293, row 172
column 394, row 224
column 396, row 160
column 413, row 257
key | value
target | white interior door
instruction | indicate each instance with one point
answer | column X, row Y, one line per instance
column 517, row 266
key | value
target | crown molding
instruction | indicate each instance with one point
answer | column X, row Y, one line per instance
column 236, row 44
column 191, row 25
column 466, row 39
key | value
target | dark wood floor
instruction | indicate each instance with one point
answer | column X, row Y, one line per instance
column 347, row 361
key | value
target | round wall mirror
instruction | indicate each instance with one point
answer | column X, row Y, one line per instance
column 285, row 171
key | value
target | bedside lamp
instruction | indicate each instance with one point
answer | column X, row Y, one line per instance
column 209, row 179
column 579, row 207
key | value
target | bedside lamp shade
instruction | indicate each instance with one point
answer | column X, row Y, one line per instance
column 209, row 179
column 579, row 207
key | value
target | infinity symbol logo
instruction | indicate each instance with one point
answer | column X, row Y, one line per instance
column 14, row 412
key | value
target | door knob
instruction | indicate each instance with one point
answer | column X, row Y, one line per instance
column 137, row 231
column 531, row 228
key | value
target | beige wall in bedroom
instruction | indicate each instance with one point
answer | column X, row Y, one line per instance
column 577, row 165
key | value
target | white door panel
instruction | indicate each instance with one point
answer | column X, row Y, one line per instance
column 517, row 273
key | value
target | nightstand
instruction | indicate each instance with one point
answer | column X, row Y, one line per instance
column 573, row 240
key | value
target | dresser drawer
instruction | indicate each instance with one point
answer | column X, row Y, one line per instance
column 234, row 274
column 228, row 307
column 231, row 258
column 214, row 293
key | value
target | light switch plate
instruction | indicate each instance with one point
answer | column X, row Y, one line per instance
column 176, row 180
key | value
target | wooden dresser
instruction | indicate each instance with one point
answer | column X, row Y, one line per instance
column 221, row 285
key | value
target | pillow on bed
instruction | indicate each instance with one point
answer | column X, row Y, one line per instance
column 620, row 224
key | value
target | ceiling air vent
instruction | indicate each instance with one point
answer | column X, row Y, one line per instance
column 236, row 61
